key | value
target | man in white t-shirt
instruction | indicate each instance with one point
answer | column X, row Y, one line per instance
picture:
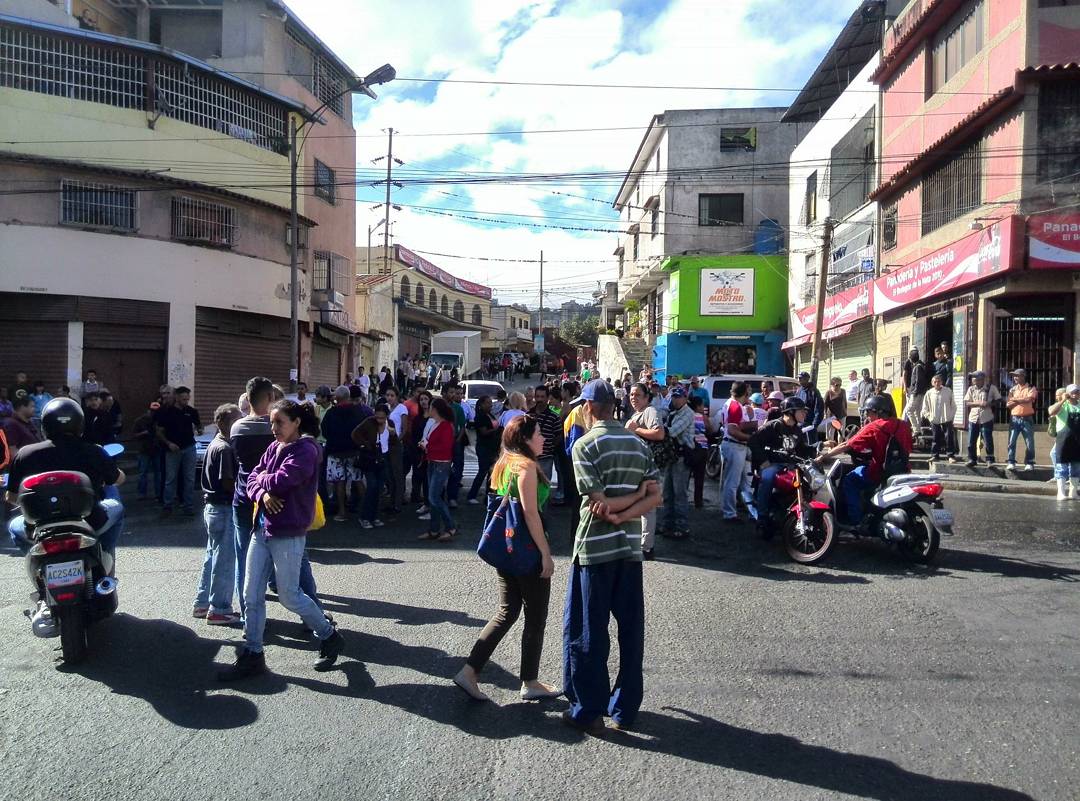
column 363, row 381
column 735, row 451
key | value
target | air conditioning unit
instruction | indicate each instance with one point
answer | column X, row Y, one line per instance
column 302, row 239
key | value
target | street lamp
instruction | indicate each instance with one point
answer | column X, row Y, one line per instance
column 372, row 229
column 383, row 74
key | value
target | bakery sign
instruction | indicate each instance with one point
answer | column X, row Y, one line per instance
column 1054, row 241
column 727, row 292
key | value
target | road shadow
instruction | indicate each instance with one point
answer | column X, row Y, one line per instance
column 777, row 756
column 166, row 665
column 347, row 556
column 401, row 614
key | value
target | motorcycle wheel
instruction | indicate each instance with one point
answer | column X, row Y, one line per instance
column 922, row 540
column 714, row 464
column 72, row 623
column 815, row 544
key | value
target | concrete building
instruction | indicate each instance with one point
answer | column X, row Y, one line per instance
column 510, row 330
column 377, row 320
column 703, row 186
column 428, row 299
column 832, row 172
column 164, row 179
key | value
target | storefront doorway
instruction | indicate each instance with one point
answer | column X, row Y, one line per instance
column 1032, row 332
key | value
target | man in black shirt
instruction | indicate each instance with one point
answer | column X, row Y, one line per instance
column 177, row 425
column 488, row 437
column 776, row 436
column 97, row 428
column 66, row 450
column 549, row 427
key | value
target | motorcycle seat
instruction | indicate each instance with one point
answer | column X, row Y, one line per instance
column 43, row 530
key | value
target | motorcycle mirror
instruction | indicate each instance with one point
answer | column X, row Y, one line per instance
column 114, row 449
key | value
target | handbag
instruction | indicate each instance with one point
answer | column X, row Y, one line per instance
column 506, row 543
column 665, row 452
column 318, row 520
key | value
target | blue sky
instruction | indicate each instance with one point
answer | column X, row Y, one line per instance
column 751, row 43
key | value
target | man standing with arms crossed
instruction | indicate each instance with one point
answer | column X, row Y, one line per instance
column 617, row 481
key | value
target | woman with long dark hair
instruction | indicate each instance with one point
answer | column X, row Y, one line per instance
column 417, row 460
column 518, row 474
column 375, row 438
column 283, row 486
column 438, row 445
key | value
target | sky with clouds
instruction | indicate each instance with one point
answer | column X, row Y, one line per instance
column 729, row 43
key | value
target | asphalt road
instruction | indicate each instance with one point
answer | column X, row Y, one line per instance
column 861, row 678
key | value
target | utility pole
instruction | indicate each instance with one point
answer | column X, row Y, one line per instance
column 540, row 329
column 386, row 230
column 294, row 264
column 819, row 313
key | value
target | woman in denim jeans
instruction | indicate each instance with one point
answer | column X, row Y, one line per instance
column 439, row 447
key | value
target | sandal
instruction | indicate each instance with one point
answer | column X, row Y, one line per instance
column 429, row 535
column 447, row 536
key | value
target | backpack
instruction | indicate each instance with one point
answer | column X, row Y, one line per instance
column 896, row 461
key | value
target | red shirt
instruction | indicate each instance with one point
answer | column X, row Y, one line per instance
column 440, row 445
column 874, row 437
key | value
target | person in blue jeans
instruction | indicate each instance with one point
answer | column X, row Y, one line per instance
column 375, row 438
column 782, row 435
column 177, row 424
column 214, row 596
column 439, row 448
column 1021, row 405
column 979, row 402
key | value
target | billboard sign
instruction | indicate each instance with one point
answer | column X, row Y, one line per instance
column 1054, row 241
column 420, row 264
column 727, row 292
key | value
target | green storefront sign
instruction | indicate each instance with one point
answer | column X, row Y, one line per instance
column 728, row 293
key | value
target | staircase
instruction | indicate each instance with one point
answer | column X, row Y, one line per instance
column 616, row 357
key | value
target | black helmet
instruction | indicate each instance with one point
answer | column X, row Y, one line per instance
column 793, row 405
column 62, row 417
column 878, row 403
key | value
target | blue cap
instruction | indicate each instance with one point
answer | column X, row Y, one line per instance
column 678, row 392
column 757, row 398
column 598, row 391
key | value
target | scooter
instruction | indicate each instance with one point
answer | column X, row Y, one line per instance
column 73, row 576
column 907, row 512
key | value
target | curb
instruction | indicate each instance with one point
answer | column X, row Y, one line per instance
column 1019, row 488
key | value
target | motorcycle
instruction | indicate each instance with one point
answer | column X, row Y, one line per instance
column 907, row 511
column 73, row 576
column 808, row 527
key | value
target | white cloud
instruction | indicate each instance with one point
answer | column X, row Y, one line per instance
column 691, row 42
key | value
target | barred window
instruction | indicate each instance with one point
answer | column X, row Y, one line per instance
column 953, row 189
column 958, row 42
column 477, row 315
column 328, row 84
column 459, row 310
column 195, row 220
column 330, row 273
column 433, row 300
column 445, row 308
column 403, row 289
column 888, row 227
column 99, row 205
column 420, row 294
column 325, row 183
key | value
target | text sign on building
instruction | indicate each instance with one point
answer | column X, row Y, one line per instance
column 1054, row 241
column 727, row 292
column 974, row 258
column 841, row 308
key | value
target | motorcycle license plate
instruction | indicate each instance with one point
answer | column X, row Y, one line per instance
column 943, row 518
column 64, row 574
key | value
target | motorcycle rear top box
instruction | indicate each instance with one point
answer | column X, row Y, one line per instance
column 57, row 495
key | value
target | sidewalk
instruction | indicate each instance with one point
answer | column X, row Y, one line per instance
column 983, row 478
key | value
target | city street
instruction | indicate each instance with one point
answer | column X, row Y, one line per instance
column 861, row 678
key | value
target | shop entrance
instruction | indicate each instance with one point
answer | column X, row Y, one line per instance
column 1032, row 332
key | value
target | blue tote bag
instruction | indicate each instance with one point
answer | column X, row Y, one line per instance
column 506, row 543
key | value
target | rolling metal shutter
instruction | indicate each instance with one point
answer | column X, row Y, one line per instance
column 325, row 365
column 230, row 348
column 849, row 352
column 38, row 348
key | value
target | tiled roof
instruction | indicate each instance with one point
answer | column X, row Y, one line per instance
column 913, row 32
column 365, row 281
column 1050, row 70
column 993, row 105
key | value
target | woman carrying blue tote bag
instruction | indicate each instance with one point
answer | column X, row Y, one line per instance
column 515, row 544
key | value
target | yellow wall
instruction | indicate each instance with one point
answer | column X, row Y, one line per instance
column 57, row 127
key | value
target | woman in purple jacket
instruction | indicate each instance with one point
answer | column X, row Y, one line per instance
column 283, row 487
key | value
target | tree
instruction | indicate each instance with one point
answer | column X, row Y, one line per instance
column 580, row 332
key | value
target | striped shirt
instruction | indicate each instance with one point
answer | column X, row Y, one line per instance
column 611, row 460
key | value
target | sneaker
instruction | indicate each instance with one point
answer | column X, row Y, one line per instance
column 222, row 618
column 365, row 524
column 453, row 504
column 422, row 509
column 425, row 516
column 647, row 554
column 953, row 460
column 329, row 650
column 1010, row 466
column 1028, row 468
column 377, row 523
column 596, row 727
column 200, row 611
column 248, row 664
column 970, row 463
column 473, row 502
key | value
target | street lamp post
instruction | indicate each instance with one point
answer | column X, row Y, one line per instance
column 383, row 74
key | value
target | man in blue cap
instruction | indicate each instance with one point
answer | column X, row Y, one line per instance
column 617, row 480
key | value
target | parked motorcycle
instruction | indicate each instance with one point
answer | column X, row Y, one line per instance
column 907, row 512
column 73, row 576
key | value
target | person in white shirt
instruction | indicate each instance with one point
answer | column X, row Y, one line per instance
column 853, row 387
column 364, row 382
column 939, row 408
column 399, row 419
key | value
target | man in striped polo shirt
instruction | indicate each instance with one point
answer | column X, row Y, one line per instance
column 618, row 483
